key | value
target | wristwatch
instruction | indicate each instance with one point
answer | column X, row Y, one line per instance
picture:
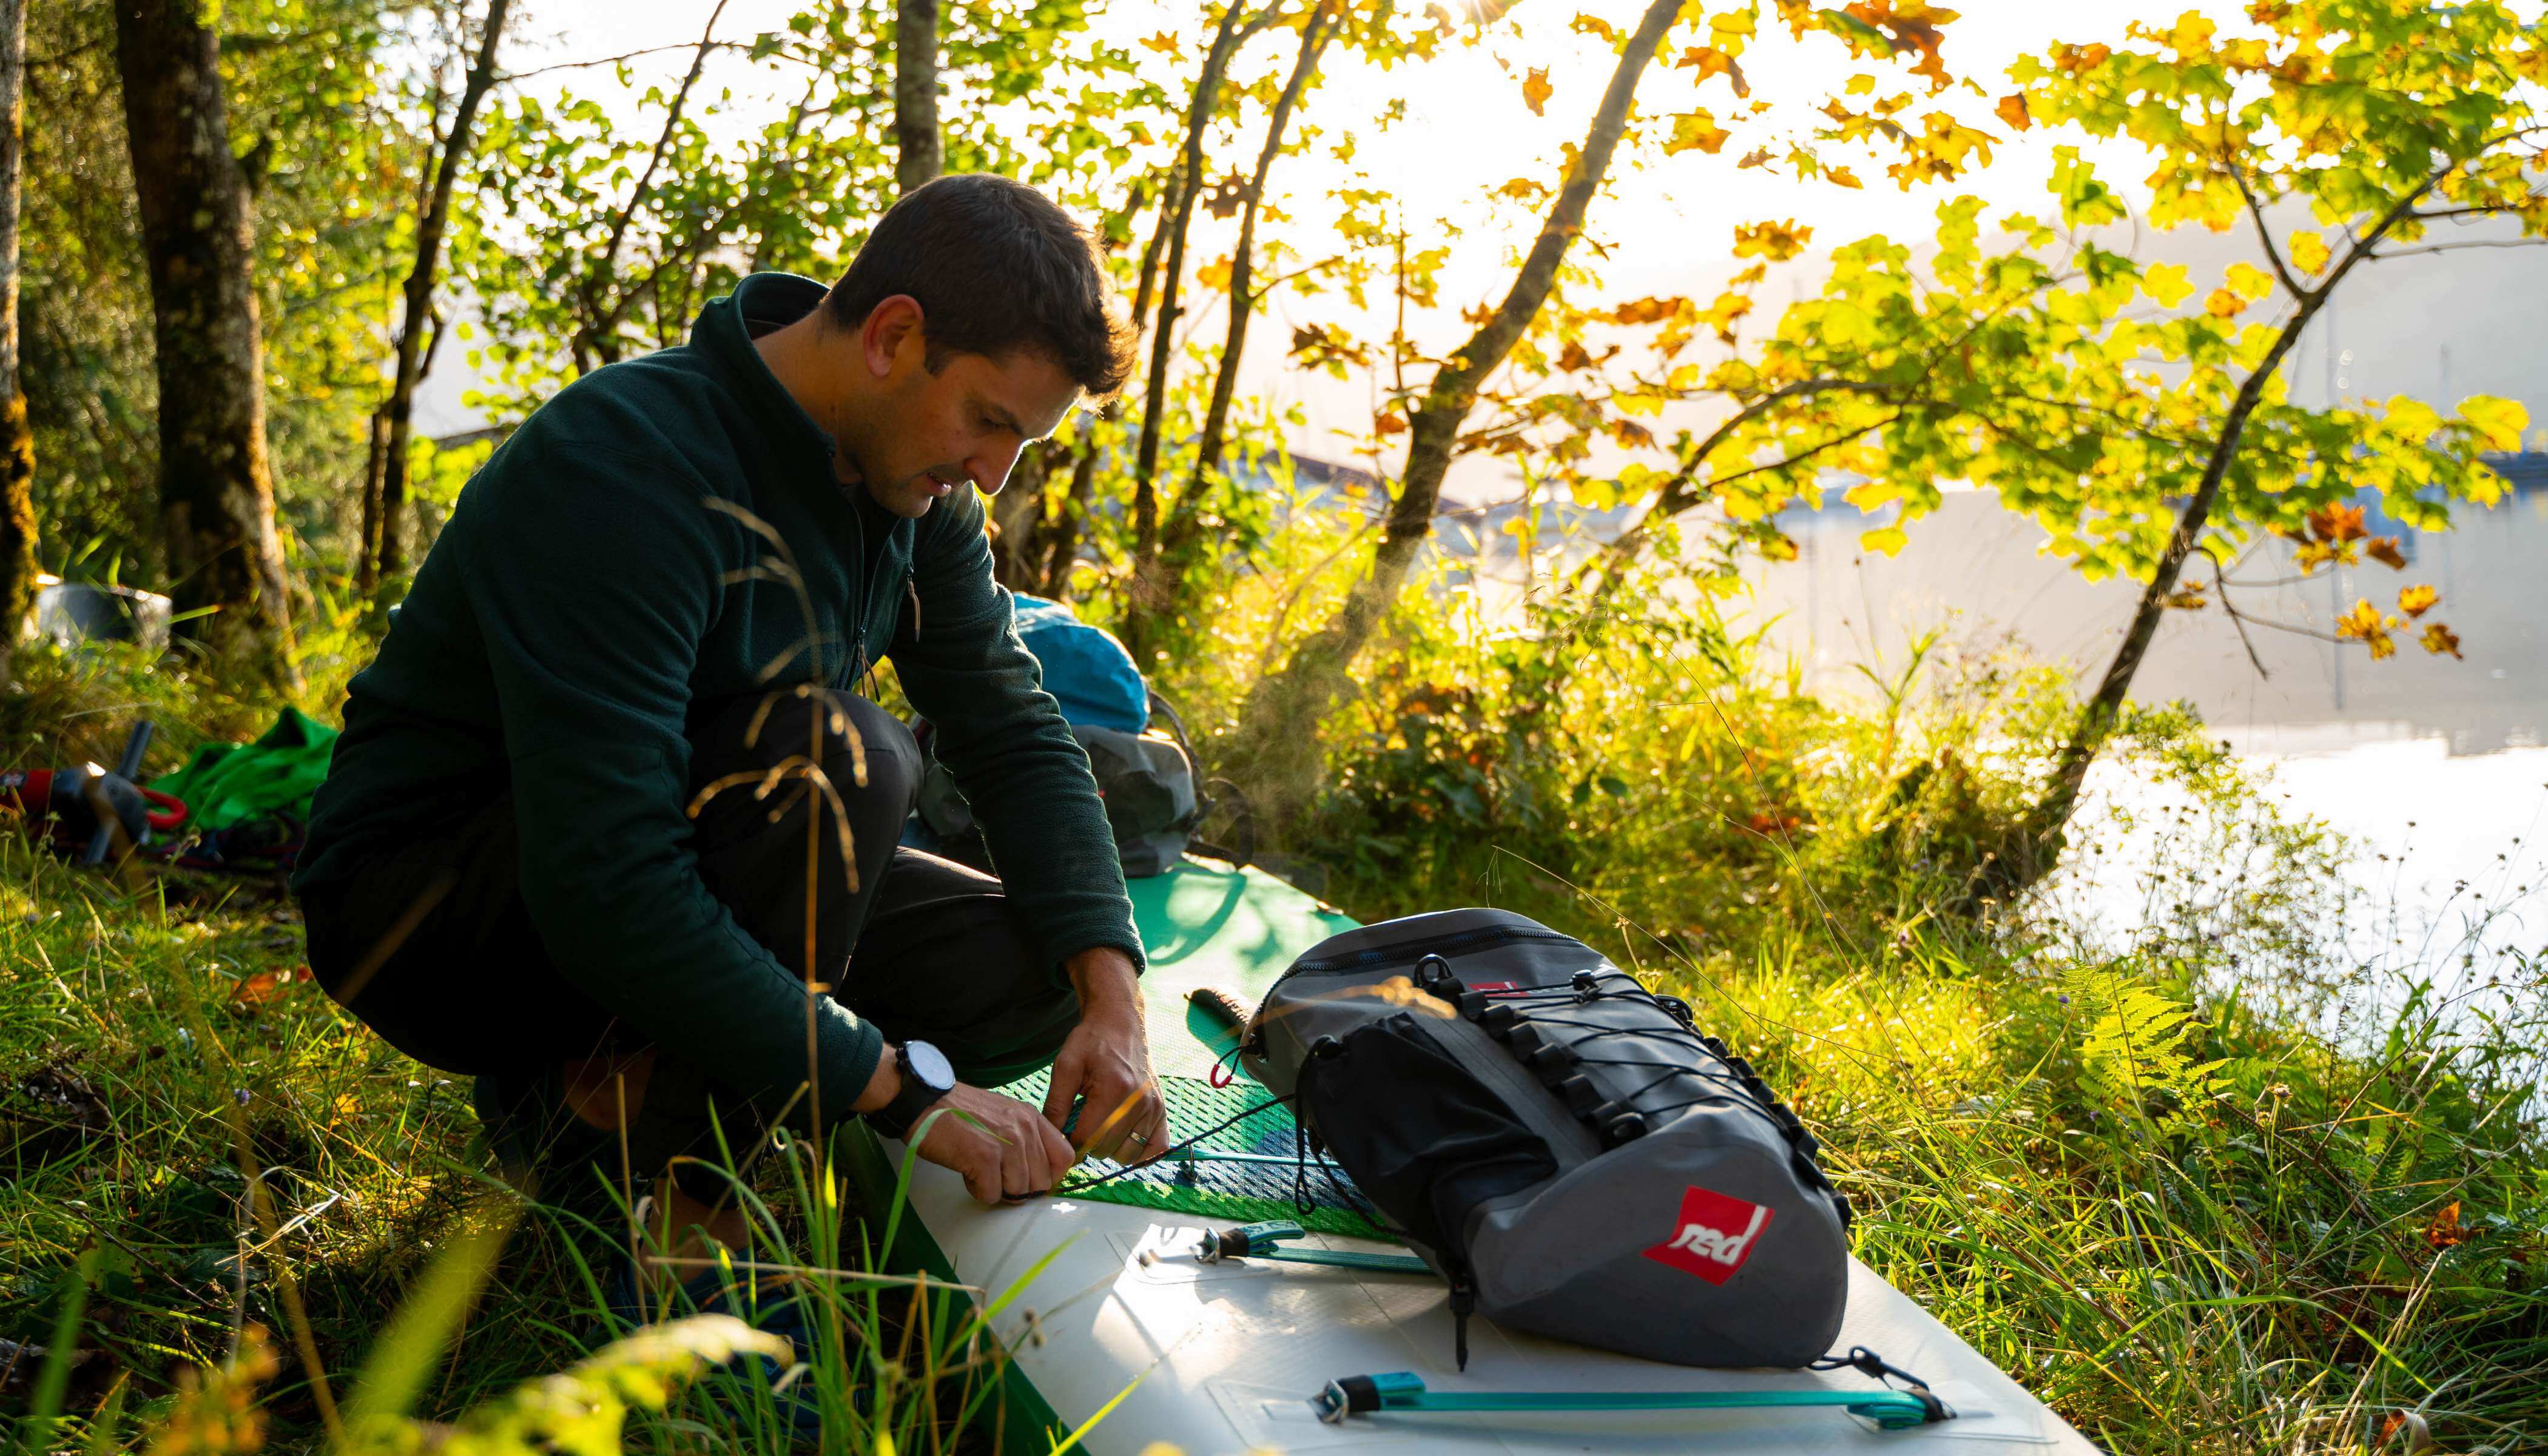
column 927, row 1076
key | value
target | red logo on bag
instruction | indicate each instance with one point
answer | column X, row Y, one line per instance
column 1714, row 1236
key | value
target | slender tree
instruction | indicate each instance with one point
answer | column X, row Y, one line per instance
column 384, row 517
column 216, row 493
column 1177, row 533
column 2151, row 433
column 919, row 153
column 1274, row 725
column 1177, row 216
column 17, row 441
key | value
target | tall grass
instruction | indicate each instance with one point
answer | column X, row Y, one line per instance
column 2200, row 1171
column 2206, row 1180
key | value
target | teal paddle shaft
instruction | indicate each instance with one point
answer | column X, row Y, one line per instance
column 1266, row 1241
column 1363, row 1394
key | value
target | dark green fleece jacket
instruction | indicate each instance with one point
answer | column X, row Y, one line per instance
column 589, row 591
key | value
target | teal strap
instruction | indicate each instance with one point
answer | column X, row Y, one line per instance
column 1890, row 1410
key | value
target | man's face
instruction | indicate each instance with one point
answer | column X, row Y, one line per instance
column 965, row 423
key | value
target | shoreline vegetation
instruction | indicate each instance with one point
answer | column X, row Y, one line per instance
column 2138, row 1176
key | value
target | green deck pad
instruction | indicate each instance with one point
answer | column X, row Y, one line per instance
column 1221, row 1190
column 1236, row 930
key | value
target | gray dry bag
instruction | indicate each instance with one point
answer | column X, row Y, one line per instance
column 1558, row 1141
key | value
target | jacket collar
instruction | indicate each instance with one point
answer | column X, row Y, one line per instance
column 723, row 335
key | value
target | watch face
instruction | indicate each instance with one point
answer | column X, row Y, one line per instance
column 928, row 1065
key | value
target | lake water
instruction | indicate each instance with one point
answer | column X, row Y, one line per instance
column 2436, row 768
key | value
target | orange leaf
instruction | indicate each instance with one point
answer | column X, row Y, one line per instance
column 1757, row 156
column 2012, row 110
column 1647, row 311
column 1711, row 61
column 267, row 985
column 1389, row 425
column 1164, row 42
column 2222, row 304
column 2439, row 639
column 2415, row 600
column 2337, row 523
column 1535, row 90
column 2444, row 1229
column 2384, row 550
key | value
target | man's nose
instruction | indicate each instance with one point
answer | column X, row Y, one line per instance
column 990, row 470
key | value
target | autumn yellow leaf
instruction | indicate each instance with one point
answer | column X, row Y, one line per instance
column 1887, row 539
column 2220, row 302
column 2166, row 284
column 2416, row 601
column 1593, row 25
column 2439, row 639
column 2499, row 423
column 1523, row 189
column 1164, row 42
column 2249, row 281
column 1777, row 241
column 2365, row 624
column 1697, row 129
column 1535, row 90
column 2308, row 251
column 1842, row 177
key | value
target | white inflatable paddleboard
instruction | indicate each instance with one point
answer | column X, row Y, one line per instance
column 1219, row 1359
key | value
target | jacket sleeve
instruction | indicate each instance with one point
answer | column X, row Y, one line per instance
column 597, row 579
column 961, row 664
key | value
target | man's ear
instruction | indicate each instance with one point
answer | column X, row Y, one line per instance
column 892, row 325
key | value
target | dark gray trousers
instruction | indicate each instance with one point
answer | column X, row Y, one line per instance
column 433, row 947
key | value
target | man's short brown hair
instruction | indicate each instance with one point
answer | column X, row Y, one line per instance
column 996, row 267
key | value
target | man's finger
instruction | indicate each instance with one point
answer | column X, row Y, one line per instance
column 1122, row 1116
column 1065, row 1087
column 1058, row 1150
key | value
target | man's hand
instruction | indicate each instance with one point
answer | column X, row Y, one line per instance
column 1106, row 1061
column 998, row 1144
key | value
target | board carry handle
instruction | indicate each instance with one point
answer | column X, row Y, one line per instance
column 1403, row 1390
column 1265, row 1242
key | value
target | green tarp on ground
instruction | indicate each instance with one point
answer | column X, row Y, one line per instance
column 228, row 784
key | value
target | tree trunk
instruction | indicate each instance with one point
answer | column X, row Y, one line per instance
column 1275, row 726
column 417, row 316
column 17, row 441
column 1177, row 214
column 1016, row 513
column 1061, row 538
column 2029, row 851
column 1177, row 537
column 919, row 151
column 216, row 495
